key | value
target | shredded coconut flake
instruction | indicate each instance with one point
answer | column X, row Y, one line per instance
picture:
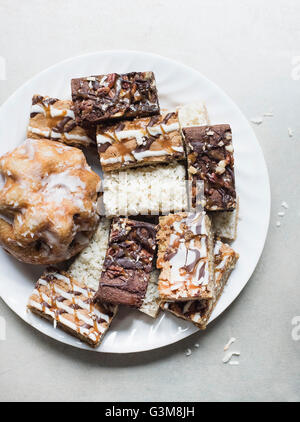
column 229, row 355
column 229, row 343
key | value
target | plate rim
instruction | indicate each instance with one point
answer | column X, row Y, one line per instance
column 241, row 115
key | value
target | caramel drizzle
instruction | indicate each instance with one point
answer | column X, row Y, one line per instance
column 163, row 141
column 53, row 307
column 46, row 104
column 189, row 270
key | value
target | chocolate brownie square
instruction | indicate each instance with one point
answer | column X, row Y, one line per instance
column 210, row 159
column 128, row 263
column 102, row 98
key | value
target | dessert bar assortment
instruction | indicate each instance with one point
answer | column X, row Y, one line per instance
column 151, row 233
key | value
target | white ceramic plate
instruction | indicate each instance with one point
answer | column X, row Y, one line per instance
column 132, row 331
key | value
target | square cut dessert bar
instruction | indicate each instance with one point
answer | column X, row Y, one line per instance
column 210, row 159
column 102, row 98
column 67, row 302
column 185, row 257
column 128, row 263
column 54, row 119
column 193, row 114
column 147, row 190
column 152, row 301
column 149, row 140
column 199, row 311
column 87, row 266
column 224, row 223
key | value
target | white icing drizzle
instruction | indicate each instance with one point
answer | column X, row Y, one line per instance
column 45, row 133
column 149, row 153
column 55, row 135
column 138, row 134
column 29, row 148
column 116, row 160
column 127, row 134
column 189, row 266
column 56, row 112
column 78, row 305
column 217, row 247
column 37, row 108
column 103, row 139
column 70, row 136
column 177, row 149
column 162, row 129
column 66, row 180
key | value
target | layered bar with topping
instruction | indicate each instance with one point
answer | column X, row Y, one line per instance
column 150, row 140
column 54, row 119
column 67, row 302
column 224, row 223
column 199, row 311
column 128, row 263
column 185, row 257
column 147, row 190
column 210, row 160
column 102, row 98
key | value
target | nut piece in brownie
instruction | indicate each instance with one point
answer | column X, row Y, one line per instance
column 210, row 159
column 106, row 97
column 148, row 140
column 68, row 303
column 128, row 263
column 185, row 257
column 54, row 119
column 199, row 311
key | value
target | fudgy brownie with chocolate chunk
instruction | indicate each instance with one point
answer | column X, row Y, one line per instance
column 108, row 97
column 128, row 263
column 210, row 159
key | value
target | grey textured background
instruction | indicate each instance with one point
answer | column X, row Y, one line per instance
column 247, row 48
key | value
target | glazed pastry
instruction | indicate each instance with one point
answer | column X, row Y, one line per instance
column 48, row 202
